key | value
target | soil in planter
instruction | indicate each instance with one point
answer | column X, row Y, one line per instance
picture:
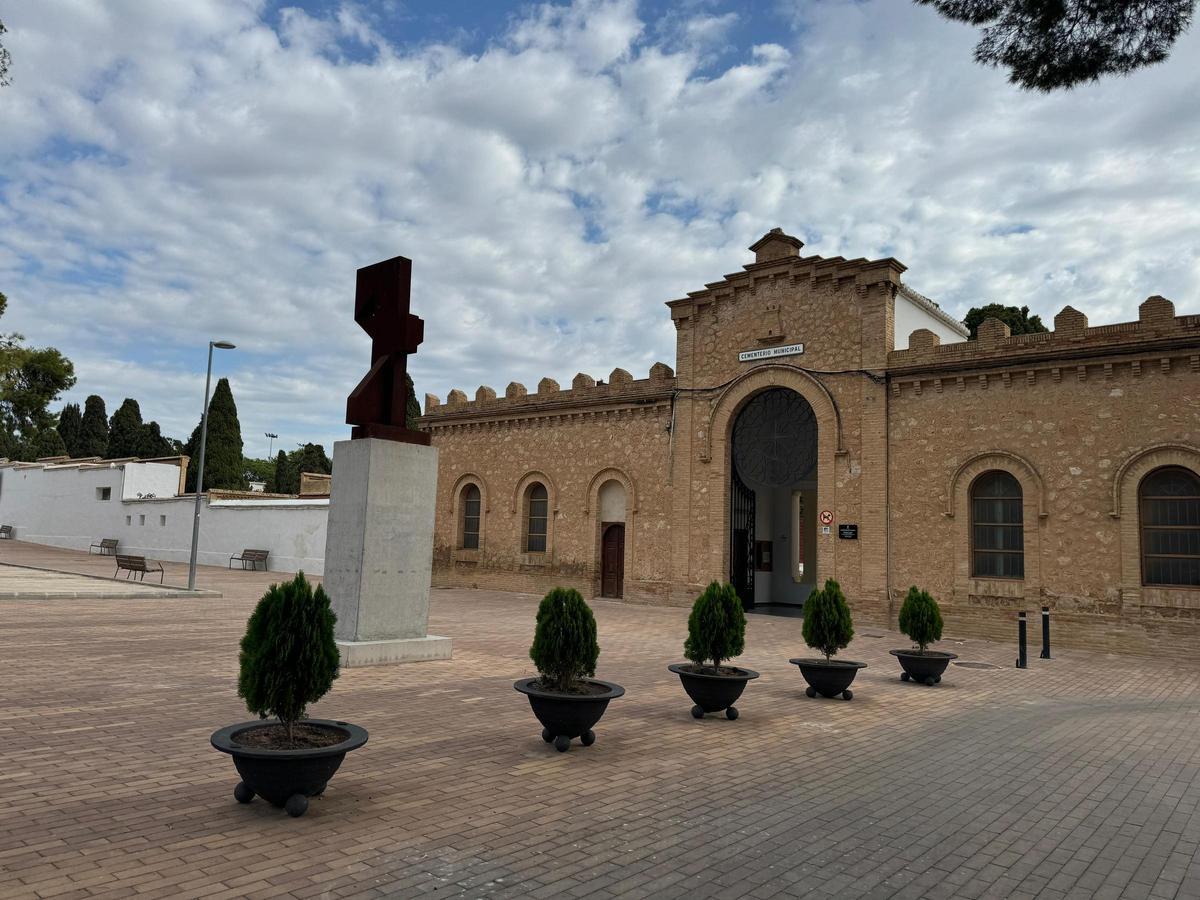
column 693, row 669
column 274, row 737
column 579, row 689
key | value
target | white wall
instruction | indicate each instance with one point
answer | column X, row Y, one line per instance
column 911, row 315
column 58, row 506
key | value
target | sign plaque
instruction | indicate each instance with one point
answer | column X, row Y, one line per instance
column 771, row 352
column 848, row 532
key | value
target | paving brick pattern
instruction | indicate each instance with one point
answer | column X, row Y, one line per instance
column 1076, row 778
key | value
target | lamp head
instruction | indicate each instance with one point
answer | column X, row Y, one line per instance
column 224, row 345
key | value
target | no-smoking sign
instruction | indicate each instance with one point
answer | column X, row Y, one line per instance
column 826, row 517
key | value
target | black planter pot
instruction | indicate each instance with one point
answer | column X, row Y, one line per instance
column 567, row 716
column 926, row 667
column 286, row 778
column 828, row 677
column 713, row 693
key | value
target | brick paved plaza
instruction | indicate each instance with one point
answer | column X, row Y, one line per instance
column 1075, row 778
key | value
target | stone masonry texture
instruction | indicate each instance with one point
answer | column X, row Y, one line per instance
column 1079, row 416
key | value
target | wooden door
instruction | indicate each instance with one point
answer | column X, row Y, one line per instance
column 612, row 561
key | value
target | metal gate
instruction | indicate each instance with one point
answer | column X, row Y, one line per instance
column 741, row 537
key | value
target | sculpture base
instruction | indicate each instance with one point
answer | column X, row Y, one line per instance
column 379, row 653
column 390, row 433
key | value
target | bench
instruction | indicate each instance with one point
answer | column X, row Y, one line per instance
column 105, row 547
column 132, row 564
column 251, row 558
column 6, row 533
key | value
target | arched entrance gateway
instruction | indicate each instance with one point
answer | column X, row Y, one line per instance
column 773, row 500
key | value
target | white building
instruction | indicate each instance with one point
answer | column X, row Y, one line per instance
column 73, row 503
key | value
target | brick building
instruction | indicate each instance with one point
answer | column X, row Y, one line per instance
column 825, row 420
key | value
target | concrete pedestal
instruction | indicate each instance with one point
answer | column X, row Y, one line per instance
column 379, row 551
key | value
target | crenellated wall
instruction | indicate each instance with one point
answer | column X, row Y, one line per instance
column 1078, row 416
column 1074, row 415
column 573, row 441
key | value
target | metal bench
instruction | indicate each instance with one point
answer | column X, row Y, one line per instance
column 136, row 564
column 6, row 533
column 251, row 558
column 105, row 547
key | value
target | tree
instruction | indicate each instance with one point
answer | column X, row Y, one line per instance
column 283, row 476
column 31, row 378
column 1052, row 44
column 827, row 624
column 260, row 470
column 921, row 618
column 5, row 61
column 125, row 430
column 313, row 459
column 288, row 657
column 412, row 409
column 564, row 642
column 94, row 435
column 70, row 428
column 151, row 444
column 223, row 448
column 716, row 627
column 49, row 443
column 1017, row 318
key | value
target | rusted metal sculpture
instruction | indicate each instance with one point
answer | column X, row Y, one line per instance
column 377, row 407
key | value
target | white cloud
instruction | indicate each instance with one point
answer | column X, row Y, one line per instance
column 174, row 172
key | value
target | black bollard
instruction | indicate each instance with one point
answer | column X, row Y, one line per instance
column 1045, row 632
column 1022, row 657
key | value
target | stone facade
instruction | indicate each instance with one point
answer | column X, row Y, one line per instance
column 1078, row 416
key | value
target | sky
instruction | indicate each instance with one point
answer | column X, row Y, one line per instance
column 172, row 173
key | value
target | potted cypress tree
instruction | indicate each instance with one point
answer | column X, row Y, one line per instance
column 921, row 621
column 288, row 660
column 564, row 696
column 716, row 632
column 828, row 628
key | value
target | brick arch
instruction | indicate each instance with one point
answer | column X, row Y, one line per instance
column 1131, row 472
column 742, row 389
column 1126, row 481
column 460, row 484
column 717, row 442
column 1033, row 506
column 1017, row 466
column 523, row 484
column 611, row 473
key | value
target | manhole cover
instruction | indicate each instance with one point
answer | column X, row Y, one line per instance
column 870, row 635
column 976, row 665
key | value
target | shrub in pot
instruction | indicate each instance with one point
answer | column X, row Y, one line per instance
column 921, row 621
column 716, row 633
column 564, row 696
column 288, row 660
column 828, row 628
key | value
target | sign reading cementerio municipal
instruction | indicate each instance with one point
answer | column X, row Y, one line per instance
column 771, row 352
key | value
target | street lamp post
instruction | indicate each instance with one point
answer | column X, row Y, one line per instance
column 270, row 443
column 220, row 345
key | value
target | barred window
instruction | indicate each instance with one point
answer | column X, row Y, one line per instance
column 997, row 527
column 1169, row 502
column 537, row 510
column 470, row 517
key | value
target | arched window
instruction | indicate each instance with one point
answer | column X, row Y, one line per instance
column 1169, row 501
column 997, row 529
column 470, row 517
column 536, row 515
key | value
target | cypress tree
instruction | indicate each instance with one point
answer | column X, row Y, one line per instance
column 313, row 460
column 827, row 623
column 94, row 435
column 921, row 618
column 152, row 444
column 70, row 428
column 412, row 409
column 564, row 643
column 223, row 449
column 48, row 443
column 716, row 627
column 283, row 475
column 125, row 430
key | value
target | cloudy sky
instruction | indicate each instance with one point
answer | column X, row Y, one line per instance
column 174, row 172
